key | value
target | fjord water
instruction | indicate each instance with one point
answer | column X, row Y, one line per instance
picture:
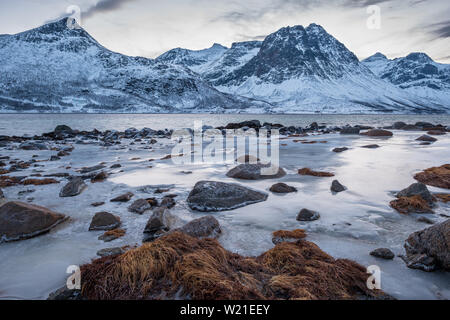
column 352, row 223
column 31, row 124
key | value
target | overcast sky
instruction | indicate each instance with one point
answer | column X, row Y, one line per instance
column 151, row 27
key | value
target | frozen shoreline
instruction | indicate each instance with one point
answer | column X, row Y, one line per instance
column 352, row 223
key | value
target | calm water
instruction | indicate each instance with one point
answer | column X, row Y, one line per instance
column 21, row 124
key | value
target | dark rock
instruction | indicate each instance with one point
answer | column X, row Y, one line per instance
column 436, row 132
column 410, row 127
column 282, row 188
column 92, row 169
column 205, row 227
column 30, row 145
column 159, row 223
column 110, row 252
column 337, row 187
column 208, row 196
column 350, row 130
column 20, row 221
column 422, row 124
column 371, row 146
column 383, row 253
column 97, row 204
column 378, row 133
column 123, row 198
column 65, row 294
column 73, row 188
column 168, row 202
column 61, row 129
column 429, row 249
column 338, row 150
column 54, row 158
column 116, row 166
column 255, row 172
column 399, row 125
column 104, row 221
column 417, row 189
column 139, row 206
column 255, row 124
column 426, row 138
column 425, row 220
column 99, row 177
column 308, row 215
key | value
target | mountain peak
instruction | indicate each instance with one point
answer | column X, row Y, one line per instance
column 376, row 57
column 419, row 57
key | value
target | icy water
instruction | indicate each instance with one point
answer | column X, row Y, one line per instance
column 21, row 124
column 352, row 223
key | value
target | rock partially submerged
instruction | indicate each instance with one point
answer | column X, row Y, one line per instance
column 288, row 236
column 282, row 188
column 309, row 172
column 371, row 146
column 383, row 253
column 104, row 221
column 139, row 206
column 378, row 133
column 159, row 223
column 181, row 266
column 205, row 227
column 337, row 187
column 210, row 196
column 407, row 205
column 429, row 249
column 436, row 176
column 339, row 150
column 19, row 221
column 417, row 189
column 112, row 235
column 73, row 188
column 307, row 215
column 255, row 172
column 426, row 138
column 123, row 197
column 107, row 252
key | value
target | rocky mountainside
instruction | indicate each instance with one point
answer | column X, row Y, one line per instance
column 295, row 70
column 417, row 73
column 56, row 69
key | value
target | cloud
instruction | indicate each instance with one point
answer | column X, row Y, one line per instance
column 440, row 30
column 104, row 6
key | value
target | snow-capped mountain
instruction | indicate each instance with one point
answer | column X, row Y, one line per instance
column 295, row 70
column 416, row 73
column 57, row 69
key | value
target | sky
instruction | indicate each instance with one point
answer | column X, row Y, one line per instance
column 150, row 27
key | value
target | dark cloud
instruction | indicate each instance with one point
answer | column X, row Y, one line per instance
column 440, row 30
column 104, row 6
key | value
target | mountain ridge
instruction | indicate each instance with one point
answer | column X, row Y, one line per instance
column 294, row 70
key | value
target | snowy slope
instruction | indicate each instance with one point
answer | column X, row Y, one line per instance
column 307, row 70
column 57, row 69
column 416, row 73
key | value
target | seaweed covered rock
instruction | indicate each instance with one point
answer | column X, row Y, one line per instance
column 407, row 205
column 20, row 221
column 429, row 249
column 181, row 266
column 378, row 133
column 309, row 172
column 258, row 171
column 417, row 189
column 288, row 236
column 436, row 176
column 210, row 196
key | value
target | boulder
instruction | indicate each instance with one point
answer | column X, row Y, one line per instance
column 205, row 227
column 429, row 249
column 210, row 196
column 63, row 129
column 417, row 189
column 426, row 138
column 159, row 223
column 123, row 197
column 30, row 145
column 383, row 253
column 371, row 146
column 399, row 125
column 410, row 127
column 100, row 177
column 307, row 215
column 168, row 202
column 436, row 132
column 20, row 221
column 282, row 188
column 410, row 204
column 350, row 130
column 436, row 176
column 337, row 187
column 73, row 188
column 140, row 206
column 255, row 172
column 104, row 221
column 110, row 252
column 339, row 150
column 378, row 133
